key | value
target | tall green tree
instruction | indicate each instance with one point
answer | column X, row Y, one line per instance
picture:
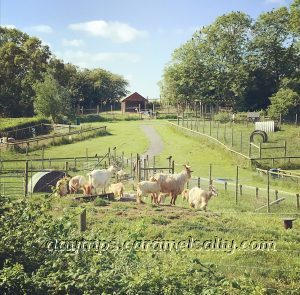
column 52, row 99
column 23, row 60
column 295, row 17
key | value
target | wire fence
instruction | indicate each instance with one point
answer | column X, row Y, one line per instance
column 236, row 186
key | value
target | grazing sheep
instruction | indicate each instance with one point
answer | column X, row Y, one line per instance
column 198, row 198
column 148, row 187
column 100, row 178
column 76, row 183
column 61, row 188
column 117, row 189
column 173, row 184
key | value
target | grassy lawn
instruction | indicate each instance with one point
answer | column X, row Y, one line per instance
column 8, row 123
column 275, row 268
column 237, row 137
column 271, row 271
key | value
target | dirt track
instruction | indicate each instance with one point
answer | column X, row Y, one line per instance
column 156, row 144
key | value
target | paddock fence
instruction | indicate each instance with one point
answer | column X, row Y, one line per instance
column 236, row 187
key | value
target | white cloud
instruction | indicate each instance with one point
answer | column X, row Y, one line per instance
column 9, row 26
column 42, row 29
column 92, row 60
column 115, row 31
column 72, row 43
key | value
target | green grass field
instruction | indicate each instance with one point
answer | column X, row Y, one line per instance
column 268, row 272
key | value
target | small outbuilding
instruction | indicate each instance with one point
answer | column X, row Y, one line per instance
column 133, row 102
column 44, row 181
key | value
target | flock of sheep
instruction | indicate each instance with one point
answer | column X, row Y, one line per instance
column 159, row 186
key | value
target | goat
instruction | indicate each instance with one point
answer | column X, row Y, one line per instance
column 100, row 178
column 198, row 198
column 148, row 187
column 61, row 188
column 117, row 189
column 173, row 184
column 76, row 183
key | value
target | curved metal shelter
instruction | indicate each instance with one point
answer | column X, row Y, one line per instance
column 44, row 181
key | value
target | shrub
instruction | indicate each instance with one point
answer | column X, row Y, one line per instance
column 223, row 117
column 100, row 202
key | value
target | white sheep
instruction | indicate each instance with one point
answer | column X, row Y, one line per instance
column 101, row 178
column 117, row 189
column 148, row 187
column 76, row 183
column 198, row 198
column 173, row 184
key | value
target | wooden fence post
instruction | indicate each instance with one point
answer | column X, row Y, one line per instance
column 256, row 192
column 66, row 167
column 260, row 150
column 139, row 170
column 268, row 191
column 298, row 201
column 43, row 154
column 26, row 179
column 236, row 184
column 241, row 141
column 145, row 171
column 241, row 189
column 225, row 185
column 82, row 220
column 210, row 170
column 285, row 148
column 276, row 194
column 108, row 153
column 249, row 150
column 199, row 181
column 131, row 164
column 173, row 167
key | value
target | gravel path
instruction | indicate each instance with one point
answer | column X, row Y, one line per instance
column 156, row 144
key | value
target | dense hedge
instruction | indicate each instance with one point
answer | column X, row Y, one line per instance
column 18, row 127
column 28, row 267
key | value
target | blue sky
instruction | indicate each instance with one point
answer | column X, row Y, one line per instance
column 131, row 38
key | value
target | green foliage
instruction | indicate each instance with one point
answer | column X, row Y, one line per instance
column 295, row 17
column 223, row 117
column 100, row 202
column 235, row 61
column 23, row 60
column 23, row 63
column 284, row 101
column 108, row 117
column 29, row 263
column 51, row 100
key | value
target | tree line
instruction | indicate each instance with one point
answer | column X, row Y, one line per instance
column 240, row 62
column 34, row 81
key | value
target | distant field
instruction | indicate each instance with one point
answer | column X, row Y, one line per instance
column 7, row 123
